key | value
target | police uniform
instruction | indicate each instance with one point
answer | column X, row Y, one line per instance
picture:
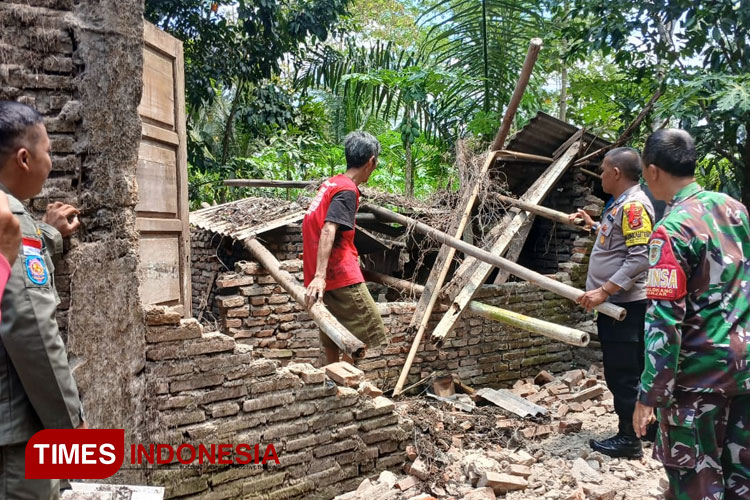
column 37, row 390
column 697, row 370
column 620, row 255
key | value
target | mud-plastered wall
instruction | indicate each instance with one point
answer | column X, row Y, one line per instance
column 80, row 65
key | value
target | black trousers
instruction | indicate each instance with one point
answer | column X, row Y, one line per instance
column 623, row 352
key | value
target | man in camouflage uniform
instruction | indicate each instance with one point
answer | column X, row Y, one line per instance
column 697, row 329
column 37, row 390
column 617, row 274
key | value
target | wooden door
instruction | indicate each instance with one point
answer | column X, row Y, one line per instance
column 162, row 209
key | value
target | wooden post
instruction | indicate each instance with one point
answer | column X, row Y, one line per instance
column 528, row 65
column 545, row 212
column 533, row 277
column 504, row 153
column 445, row 257
column 270, row 183
column 534, row 325
column 546, row 328
column 590, row 173
column 343, row 338
column 508, row 242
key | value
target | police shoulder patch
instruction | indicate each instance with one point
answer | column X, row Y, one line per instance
column 36, row 269
column 666, row 278
column 636, row 224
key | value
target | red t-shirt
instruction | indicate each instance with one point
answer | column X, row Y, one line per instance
column 343, row 264
column 4, row 274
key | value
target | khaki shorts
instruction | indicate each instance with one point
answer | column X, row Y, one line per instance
column 354, row 308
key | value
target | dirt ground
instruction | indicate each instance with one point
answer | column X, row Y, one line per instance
column 456, row 454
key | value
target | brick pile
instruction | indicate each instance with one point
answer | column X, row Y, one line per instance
column 205, row 387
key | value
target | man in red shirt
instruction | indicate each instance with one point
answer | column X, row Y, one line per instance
column 330, row 260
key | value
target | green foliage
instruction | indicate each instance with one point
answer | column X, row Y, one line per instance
column 701, row 50
column 485, row 41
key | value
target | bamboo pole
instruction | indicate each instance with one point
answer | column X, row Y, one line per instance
column 534, row 325
column 440, row 271
column 528, row 64
column 508, row 242
column 533, row 277
column 524, row 156
column 545, row 212
column 268, row 183
column 343, row 338
column 590, row 173
column 546, row 328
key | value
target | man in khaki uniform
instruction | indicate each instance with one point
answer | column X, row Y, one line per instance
column 37, row 390
column 617, row 274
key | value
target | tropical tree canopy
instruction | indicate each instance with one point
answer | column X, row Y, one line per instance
column 273, row 87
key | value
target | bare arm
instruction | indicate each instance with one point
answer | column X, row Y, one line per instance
column 317, row 286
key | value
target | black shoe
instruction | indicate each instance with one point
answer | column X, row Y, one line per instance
column 619, row 446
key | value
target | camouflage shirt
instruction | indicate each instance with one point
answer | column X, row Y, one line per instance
column 698, row 319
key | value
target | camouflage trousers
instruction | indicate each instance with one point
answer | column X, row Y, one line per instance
column 704, row 444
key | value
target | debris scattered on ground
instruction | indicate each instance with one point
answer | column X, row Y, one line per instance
column 491, row 453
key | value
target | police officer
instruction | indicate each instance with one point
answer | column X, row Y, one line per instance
column 37, row 390
column 697, row 370
column 617, row 273
column 10, row 239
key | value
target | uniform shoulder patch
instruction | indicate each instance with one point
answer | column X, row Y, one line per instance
column 36, row 269
column 666, row 278
column 636, row 224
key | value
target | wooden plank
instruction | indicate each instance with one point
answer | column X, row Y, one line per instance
column 158, row 99
column 159, row 134
column 159, row 40
column 159, row 269
column 511, row 402
column 182, row 176
column 565, row 145
column 536, row 193
column 156, row 176
column 154, row 225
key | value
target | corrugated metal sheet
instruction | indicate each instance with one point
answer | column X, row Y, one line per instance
column 541, row 136
column 545, row 133
column 247, row 217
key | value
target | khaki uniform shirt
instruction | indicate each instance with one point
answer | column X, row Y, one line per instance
column 620, row 254
column 37, row 389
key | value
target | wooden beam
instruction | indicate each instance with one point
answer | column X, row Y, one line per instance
column 269, row 183
column 528, row 65
column 547, row 213
column 534, row 325
column 445, row 257
column 532, row 277
column 514, row 235
column 343, row 338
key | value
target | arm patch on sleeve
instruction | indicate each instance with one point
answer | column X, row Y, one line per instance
column 636, row 224
column 666, row 278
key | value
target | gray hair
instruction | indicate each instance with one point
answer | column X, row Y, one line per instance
column 359, row 147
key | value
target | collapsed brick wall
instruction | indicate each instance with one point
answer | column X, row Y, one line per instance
column 257, row 312
column 206, row 387
column 80, row 65
column 550, row 244
column 212, row 254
